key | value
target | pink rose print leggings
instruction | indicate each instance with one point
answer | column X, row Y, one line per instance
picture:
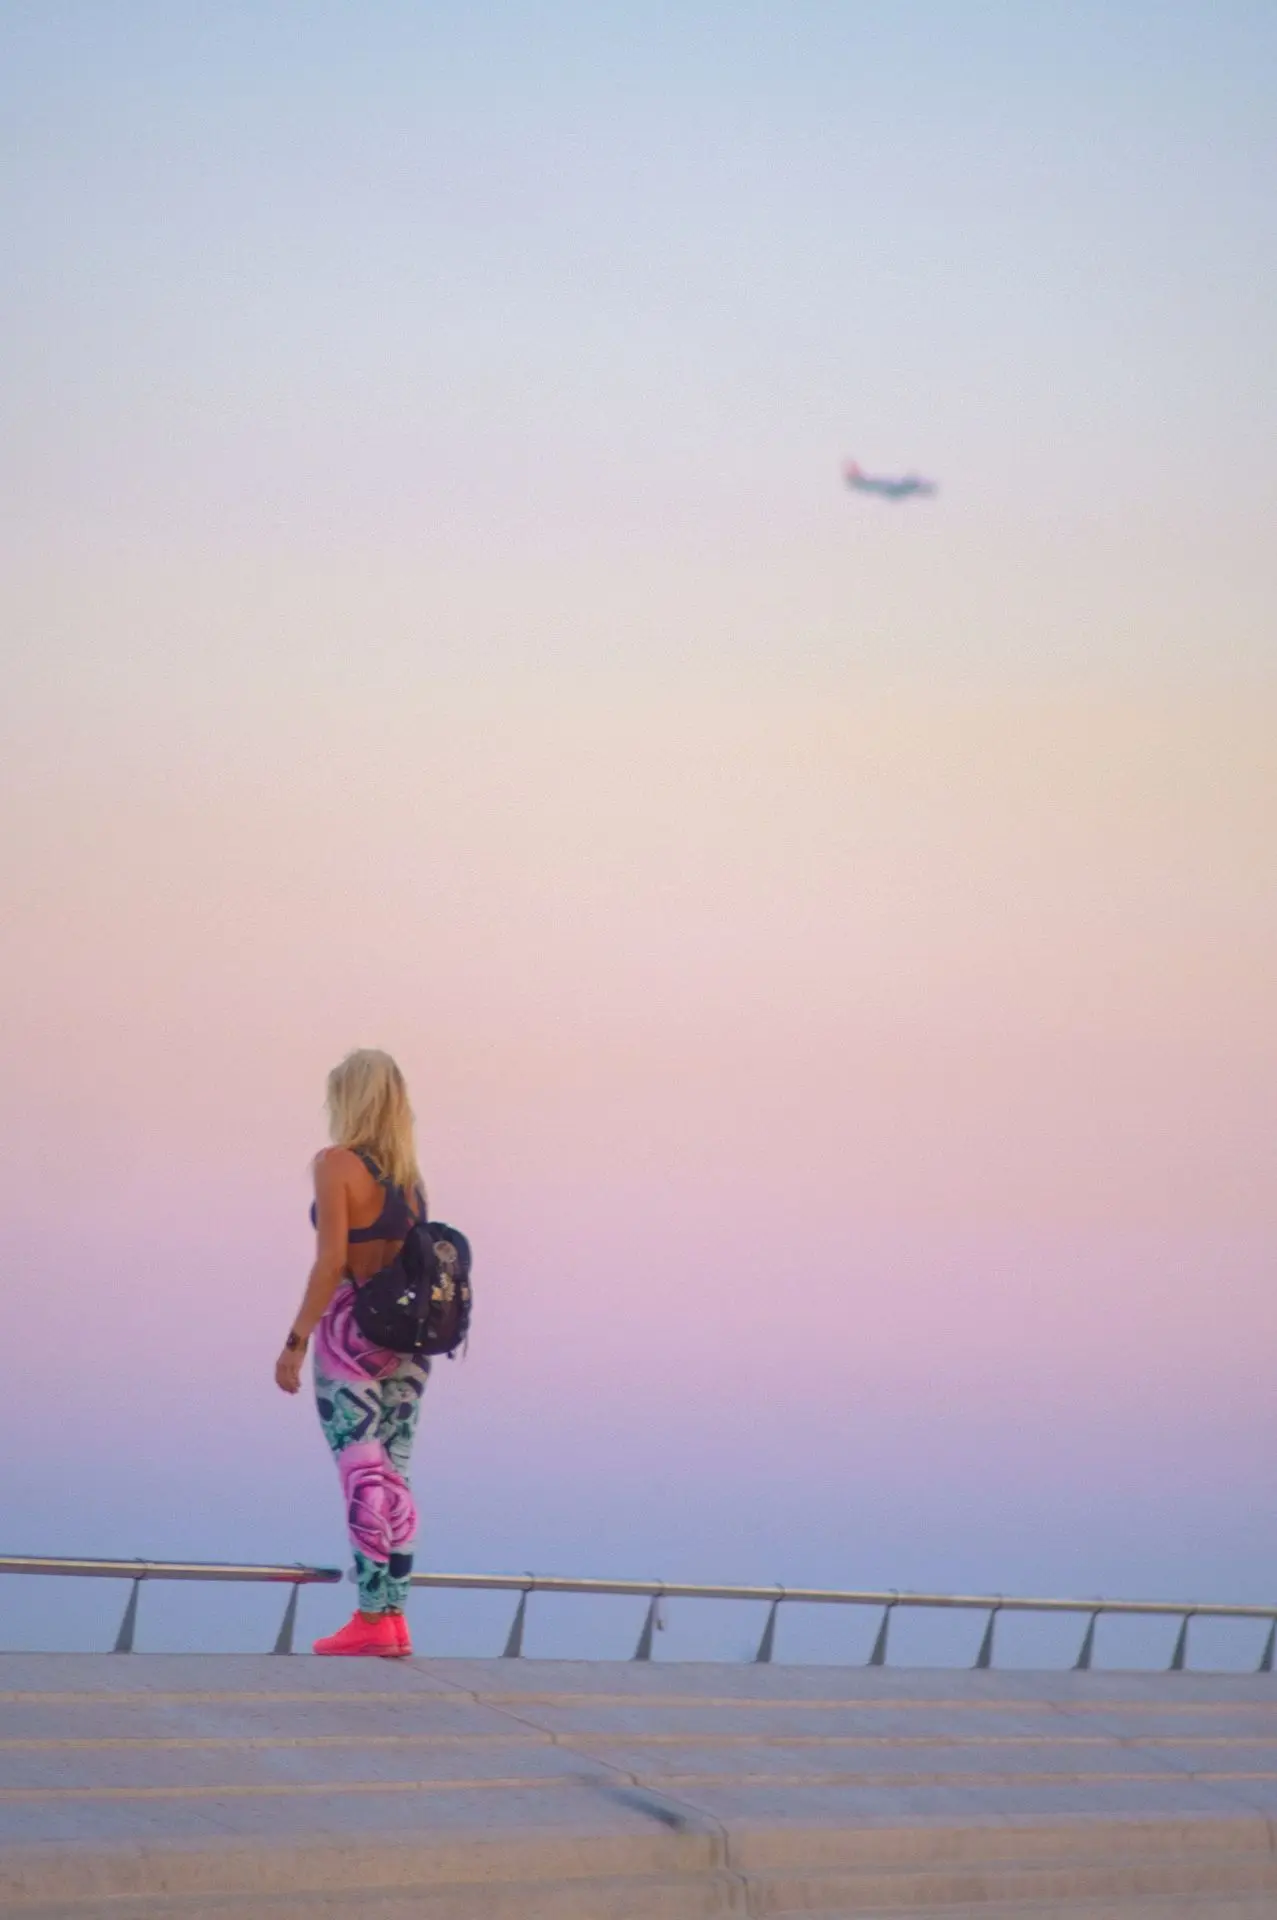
column 369, row 1401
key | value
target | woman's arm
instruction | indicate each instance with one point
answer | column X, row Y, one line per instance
column 332, row 1216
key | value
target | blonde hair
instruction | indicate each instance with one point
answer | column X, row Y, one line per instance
column 368, row 1111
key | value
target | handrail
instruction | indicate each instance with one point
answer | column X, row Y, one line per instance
column 832, row 1596
column 84, row 1569
column 658, row 1591
column 137, row 1571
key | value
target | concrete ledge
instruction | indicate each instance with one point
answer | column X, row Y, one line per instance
column 453, row 1790
column 1094, row 1873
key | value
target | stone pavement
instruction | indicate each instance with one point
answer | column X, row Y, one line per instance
column 196, row 1786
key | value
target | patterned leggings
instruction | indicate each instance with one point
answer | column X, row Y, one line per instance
column 369, row 1424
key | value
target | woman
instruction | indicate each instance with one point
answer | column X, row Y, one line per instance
column 368, row 1398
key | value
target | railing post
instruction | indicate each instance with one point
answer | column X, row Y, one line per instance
column 128, row 1625
column 653, row 1623
column 985, row 1656
column 1083, row 1662
column 284, row 1638
column 1180, row 1656
column 1270, row 1647
column 513, row 1648
column 768, row 1641
column 878, row 1657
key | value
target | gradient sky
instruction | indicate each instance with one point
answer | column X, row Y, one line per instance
column 832, row 945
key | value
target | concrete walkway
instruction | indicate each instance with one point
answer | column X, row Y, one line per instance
column 296, row 1788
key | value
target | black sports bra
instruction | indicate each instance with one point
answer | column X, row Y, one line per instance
column 396, row 1215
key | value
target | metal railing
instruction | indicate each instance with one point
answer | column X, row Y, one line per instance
column 888, row 1603
column 137, row 1571
column 658, row 1592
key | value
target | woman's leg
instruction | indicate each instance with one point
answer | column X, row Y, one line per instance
column 401, row 1409
column 349, row 1413
column 369, row 1426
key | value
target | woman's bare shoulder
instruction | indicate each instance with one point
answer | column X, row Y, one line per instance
column 334, row 1163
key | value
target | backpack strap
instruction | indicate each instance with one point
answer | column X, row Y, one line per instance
column 383, row 1180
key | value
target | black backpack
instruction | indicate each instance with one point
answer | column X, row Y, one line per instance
column 420, row 1303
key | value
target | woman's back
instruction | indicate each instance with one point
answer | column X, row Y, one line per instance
column 377, row 1215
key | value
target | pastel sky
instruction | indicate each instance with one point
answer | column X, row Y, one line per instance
column 832, row 945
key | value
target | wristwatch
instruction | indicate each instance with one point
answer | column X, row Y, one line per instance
column 294, row 1340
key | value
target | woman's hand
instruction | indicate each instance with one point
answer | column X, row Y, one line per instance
column 288, row 1370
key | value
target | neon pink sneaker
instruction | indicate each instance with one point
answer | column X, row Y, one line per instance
column 363, row 1636
column 402, row 1635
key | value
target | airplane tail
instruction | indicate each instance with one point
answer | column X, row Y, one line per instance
column 851, row 469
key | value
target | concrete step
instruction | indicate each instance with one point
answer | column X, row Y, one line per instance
column 545, row 1881
column 657, row 1897
column 998, row 1889
column 1189, row 1906
column 703, row 1896
column 353, row 1873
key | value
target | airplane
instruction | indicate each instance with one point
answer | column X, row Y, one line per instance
column 887, row 489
